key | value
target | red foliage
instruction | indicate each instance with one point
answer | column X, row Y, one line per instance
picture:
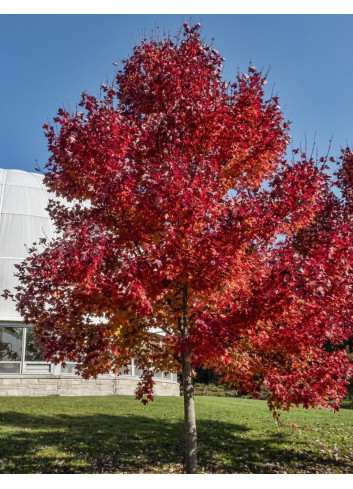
column 165, row 176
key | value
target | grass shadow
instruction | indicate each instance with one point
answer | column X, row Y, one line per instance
column 103, row 443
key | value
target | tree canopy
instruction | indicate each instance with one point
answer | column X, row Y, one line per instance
column 186, row 219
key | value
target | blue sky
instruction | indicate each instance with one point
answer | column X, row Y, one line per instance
column 48, row 60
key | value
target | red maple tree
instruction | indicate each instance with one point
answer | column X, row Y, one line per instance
column 171, row 227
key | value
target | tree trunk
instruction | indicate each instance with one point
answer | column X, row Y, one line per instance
column 189, row 416
column 189, row 407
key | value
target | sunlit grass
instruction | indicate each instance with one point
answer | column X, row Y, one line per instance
column 118, row 434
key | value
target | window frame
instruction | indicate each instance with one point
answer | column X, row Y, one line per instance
column 57, row 369
column 23, row 362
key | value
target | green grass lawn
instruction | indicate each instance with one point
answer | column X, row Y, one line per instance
column 120, row 435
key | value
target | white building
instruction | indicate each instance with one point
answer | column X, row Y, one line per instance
column 23, row 220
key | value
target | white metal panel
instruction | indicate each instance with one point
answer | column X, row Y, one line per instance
column 37, row 368
column 24, row 200
column 19, row 230
column 8, row 281
column 23, row 220
column 23, row 178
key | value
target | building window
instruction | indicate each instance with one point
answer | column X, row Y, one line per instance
column 11, row 344
column 19, row 354
column 70, row 368
column 33, row 352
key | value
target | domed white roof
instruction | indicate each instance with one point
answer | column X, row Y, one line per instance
column 23, row 220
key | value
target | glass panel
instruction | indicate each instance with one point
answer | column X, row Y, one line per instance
column 138, row 372
column 70, row 368
column 126, row 370
column 9, row 368
column 10, row 343
column 33, row 351
column 157, row 375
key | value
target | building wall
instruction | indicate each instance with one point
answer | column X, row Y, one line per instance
column 23, row 372
column 72, row 385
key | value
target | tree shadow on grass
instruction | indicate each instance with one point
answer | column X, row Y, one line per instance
column 103, row 443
